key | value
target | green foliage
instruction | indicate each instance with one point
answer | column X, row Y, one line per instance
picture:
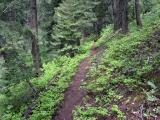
column 18, row 94
column 2, row 72
column 120, row 58
column 126, row 61
column 119, row 113
column 89, row 113
column 86, row 46
column 109, row 96
column 147, row 5
column 8, row 7
column 107, row 31
column 124, row 65
column 151, row 94
column 17, row 59
column 3, row 100
column 48, row 101
column 131, row 10
column 47, row 10
column 74, row 18
column 51, row 85
column 99, row 84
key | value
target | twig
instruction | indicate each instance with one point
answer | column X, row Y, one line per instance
column 112, row 35
column 141, row 111
column 35, row 91
column 10, row 4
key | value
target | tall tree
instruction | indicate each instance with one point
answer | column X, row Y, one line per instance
column 14, row 50
column 138, row 13
column 103, row 14
column 33, row 24
column 2, row 61
column 74, row 21
column 120, row 13
column 46, row 11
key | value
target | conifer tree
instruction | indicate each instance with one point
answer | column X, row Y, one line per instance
column 104, row 15
column 33, row 24
column 120, row 13
column 74, row 19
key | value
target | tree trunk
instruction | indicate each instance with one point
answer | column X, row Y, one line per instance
column 33, row 24
column 124, row 7
column 116, row 15
column 120, row 14
column 138, row 13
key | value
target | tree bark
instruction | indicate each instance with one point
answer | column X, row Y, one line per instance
column 116, row 15
column 124, row 7
column 138, row 13
column 120, row 14
column 33, row 24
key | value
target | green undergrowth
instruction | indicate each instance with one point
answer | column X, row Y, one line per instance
column 126, row 57
column 89, row 113
column 120, row 114
column 124, row 66
column 48, row 101
column 51, row 86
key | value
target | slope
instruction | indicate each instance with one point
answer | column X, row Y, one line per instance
column 125, row 83
column 74, row 94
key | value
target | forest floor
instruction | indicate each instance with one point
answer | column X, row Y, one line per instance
column 134, row 104
column 74, row 95
column 124, row 102
column 130, row 105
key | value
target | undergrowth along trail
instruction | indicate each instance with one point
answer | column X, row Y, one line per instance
column 74, row 95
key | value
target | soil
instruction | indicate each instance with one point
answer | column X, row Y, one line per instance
column 74, row 95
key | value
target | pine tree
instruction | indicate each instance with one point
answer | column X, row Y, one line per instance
column 74, row 19
column 104, row 15
column 46, row 11
column 13, row 46
column 33, row 24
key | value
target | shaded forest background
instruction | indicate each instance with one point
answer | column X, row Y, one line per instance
column 54, row 33
column 35, row 33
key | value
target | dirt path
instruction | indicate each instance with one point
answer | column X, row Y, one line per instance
column 74, row 95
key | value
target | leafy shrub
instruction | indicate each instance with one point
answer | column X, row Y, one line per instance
column 52, row 84
column 89, row 113
column 119, row 113
column 124, row 64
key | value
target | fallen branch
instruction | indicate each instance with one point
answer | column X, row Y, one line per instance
column 141, row 111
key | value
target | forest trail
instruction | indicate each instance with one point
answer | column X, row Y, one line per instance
column 74, row 95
